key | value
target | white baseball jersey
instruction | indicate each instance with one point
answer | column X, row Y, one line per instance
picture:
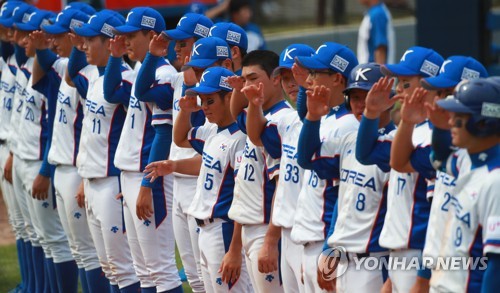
column 178, row 153
column 8, row 90
column 22, row 76
column 362, row 195
column 102, row 126
column 317, row 197
column 457, row 166
column 407, row 206
column 254, row 191
column 221, row 150
column 67, row 122
column 474, row 223
column 32, row 140
column 286, row 133
column 164, row 75
column 137, row 135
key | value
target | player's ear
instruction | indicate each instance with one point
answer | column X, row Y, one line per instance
column 339, row 79
column 228, row 64
column 235, row 52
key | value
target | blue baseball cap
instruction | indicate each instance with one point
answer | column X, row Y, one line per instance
column 35, row 21
column 213, row 80
column 415, row 61
column 81, row 6
column 20, row 13
column 363, row 77
column 480, row 96
column 207, row 51
column 101, row 23
column 332, row 56
column 287, row 56
column 65, row 21
column 189, row 26
column 232, row 33
column 8, row 8
column 453, row 70
column 142, row 18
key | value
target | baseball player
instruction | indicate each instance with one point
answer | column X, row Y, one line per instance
column 407, row 206
column 101, row 128
column 254, row 188
column 236, row 38
column 472, row 228
column 328, row 67
column 362, row 192
column 211, row 51
column 150, row 237
column 190, row 28
column 35, row 120
column 49, row 80
column 8, row 77
column 279, row 138
column 453, row 70
column 221, row 144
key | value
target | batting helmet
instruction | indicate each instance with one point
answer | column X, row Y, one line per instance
column 362, row 77
column 480, row 98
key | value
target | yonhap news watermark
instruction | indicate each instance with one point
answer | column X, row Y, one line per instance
column 333, row 262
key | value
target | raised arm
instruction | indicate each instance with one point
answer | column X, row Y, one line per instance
column 369, row 150
column 238, row 100
column 44, row 57
column 300, row 74
column 182, row 125
column 77, row 61
column 256, row 122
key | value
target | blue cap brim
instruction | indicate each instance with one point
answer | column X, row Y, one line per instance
column 199, row 63
column 278, row 69
column 176, row 34
column 436, row 83
column 453, row 105
column 203, row 90
column 7, row 22
column 126, row 29
column 397, row 69
column 54, row 29
column 86, row 32
column 310, row 63
column 24, row 27
column 366, row 86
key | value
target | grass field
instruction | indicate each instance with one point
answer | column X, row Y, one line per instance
column 9, row 269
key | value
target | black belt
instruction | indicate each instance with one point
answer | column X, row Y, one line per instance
column 202, row 223
column 358, row 255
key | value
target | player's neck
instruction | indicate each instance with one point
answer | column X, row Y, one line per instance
column 276, row 98
column 481, row 144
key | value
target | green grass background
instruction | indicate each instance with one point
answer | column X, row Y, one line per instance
column 10, row 275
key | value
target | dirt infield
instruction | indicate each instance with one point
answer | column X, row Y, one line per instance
column 6, row 234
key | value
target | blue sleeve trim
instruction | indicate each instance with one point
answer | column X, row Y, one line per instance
column 196, row 143
column 271, row 140
column 160, row 148
column 421, row 162
column 242, row 121
column 309, row 143
column 441, row 144
column 198, row 118
column 46, row 59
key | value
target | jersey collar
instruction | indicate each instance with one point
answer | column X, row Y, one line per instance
column 283, row 104
column 232, row 128
column 489, row 157
column 339, row 110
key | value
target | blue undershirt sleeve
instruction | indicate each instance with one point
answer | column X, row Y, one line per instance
column 491, row 281
column 332, row 226
column 116, row 90
column 77, row 61
column 7, row 50
column 302, row 103
column 46, row 59
column 309, row 143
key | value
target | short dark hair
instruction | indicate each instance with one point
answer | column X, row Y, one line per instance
column 267, row 60
column 236, row 5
